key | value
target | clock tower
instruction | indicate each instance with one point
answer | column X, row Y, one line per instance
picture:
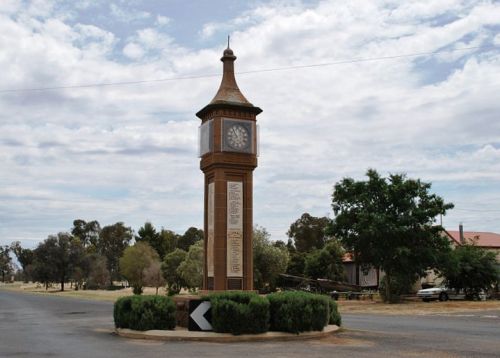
column 228, row 152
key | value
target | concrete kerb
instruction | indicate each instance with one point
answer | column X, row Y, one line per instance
column 180, row 334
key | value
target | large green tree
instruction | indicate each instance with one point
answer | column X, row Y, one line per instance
column 189, row 238
column 269, row 260
column 471, row 268
column 134, row 263
column 390, row 223
column 113, row 240
column 87, row 232
column 148, row 234
column 308, row 232
column 326, row 263
column 56, row 258
column 170, row 240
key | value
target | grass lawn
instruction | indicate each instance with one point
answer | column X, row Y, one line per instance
column 98, row 295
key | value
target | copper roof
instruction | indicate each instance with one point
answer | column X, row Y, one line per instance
column 486, row 239
column 228, row 92
column 229, row 95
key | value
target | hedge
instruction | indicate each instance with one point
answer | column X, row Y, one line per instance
column 298, row 311
column 335, row 317
column 143, row 313
column 239, row 312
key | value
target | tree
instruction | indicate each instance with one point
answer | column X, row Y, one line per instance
column 169, row 240
column 169, row 267
column 56, row 258
column 95, row 271
column 326, row 263
column 153, row 276
column 135, row 261
column 5, row 262
column 87, row 232
column 24, row 256
column 190, row 237
column 269, row 260
column 308, row 232
column 113, row 240
column 297, row 264
column 471, row 268
column 191, row 269
column 389, row 223
column 43, row 270
column 148, row 234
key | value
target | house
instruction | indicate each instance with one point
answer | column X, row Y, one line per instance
column 486, row 240
column 355, row 275
column 371, row 278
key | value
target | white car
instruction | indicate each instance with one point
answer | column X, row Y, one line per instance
column 435, row 293
column 445, row 294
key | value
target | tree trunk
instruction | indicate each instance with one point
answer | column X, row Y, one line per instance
column 62, row 284
column 387, row 287
column 156, row 291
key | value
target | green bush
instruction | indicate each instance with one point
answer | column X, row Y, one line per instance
column 298, row 312
column 143, row 313
column 239, row 312
column 335, row 317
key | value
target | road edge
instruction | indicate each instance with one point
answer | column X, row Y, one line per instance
column 185, row 335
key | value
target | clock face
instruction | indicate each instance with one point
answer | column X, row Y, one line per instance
column 237, row 137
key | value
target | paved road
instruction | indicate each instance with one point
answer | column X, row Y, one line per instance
column 42, row 326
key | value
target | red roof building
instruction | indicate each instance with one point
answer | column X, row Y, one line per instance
column 486, row 240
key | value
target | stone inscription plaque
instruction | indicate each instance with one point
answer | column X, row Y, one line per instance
column 234, row 229
column 210, row 232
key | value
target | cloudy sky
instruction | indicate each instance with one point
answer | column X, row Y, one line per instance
column 128, row 152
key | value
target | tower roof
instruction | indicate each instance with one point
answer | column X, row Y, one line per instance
column 229, row 95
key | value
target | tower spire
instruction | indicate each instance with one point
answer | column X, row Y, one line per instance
column 228, row 92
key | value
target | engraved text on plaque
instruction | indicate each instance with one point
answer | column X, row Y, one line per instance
column 234, row 229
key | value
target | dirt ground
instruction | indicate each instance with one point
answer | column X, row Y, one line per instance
column 415, row 307
column 409, row 307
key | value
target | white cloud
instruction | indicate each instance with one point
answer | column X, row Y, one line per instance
column 124, row 14
column 133, row 51
column 10, row 6
column 162, row 20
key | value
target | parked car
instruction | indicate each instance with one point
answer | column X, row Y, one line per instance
column 435, row 293
column 445, row 294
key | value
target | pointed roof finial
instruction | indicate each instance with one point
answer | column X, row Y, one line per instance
column 228, row 95
column 228, row 91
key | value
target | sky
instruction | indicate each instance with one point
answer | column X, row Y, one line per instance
column 399, row 86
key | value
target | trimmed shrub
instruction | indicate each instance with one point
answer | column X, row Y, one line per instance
column 239, row 312
column 298, row 311
column 143, row 313
column 335, row 317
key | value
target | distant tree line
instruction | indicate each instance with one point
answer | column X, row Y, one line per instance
column 88, row 256
column 385, row 223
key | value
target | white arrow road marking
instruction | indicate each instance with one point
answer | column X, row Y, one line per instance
column 198, row 317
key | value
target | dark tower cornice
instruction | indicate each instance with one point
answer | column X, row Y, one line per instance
column 229, row 95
